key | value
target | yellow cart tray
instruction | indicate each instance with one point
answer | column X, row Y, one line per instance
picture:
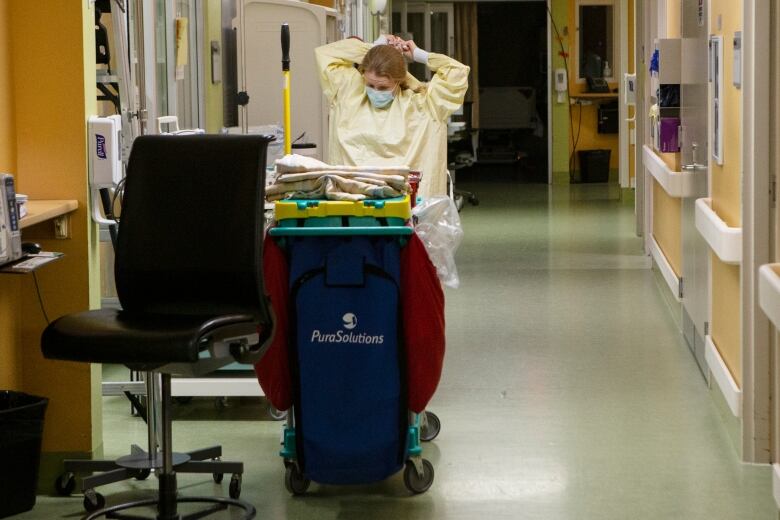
column 397, row 207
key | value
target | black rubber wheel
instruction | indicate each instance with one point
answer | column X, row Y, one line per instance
column 431, row 427
column 235, row 486
column 65, row 484
column 143, row 474
column 416, row 483
column 474, row 201
column 218, row 477
column 93, row 505
column 294, row 480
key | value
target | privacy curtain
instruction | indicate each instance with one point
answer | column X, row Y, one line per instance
column 466, row 51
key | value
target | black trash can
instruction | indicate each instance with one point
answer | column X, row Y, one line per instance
column 594, row 165
column 21, row 432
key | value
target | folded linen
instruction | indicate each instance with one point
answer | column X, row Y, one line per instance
column 301, row 177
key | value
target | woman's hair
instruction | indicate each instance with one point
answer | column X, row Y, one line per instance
column 385, row 60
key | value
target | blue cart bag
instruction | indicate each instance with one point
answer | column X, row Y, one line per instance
column 346, row 360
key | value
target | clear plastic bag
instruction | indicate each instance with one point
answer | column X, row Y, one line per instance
column 438, row 226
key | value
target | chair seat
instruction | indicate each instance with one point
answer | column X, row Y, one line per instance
column 143, row 341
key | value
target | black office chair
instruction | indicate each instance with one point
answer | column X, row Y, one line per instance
column 188, row 273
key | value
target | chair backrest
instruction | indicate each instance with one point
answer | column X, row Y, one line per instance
column 191, row 230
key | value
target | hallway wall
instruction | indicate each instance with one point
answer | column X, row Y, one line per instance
column 10, row 327
column 726, row 193
column 43, row 141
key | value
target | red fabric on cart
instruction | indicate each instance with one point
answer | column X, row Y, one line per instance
column 273, row 371
column 422, row 309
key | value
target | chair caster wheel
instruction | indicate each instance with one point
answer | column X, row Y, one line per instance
column 143, row 474
column 65, row 484
column 93, row 501
column 235, row 486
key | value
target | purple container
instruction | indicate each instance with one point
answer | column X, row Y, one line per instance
column 667, row 134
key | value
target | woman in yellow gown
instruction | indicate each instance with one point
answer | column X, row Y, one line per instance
column 381, row 115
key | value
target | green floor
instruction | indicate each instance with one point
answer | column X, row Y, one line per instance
column 567, row 391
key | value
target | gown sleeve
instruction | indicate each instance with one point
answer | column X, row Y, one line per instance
column 447, row 88
column 336, row 64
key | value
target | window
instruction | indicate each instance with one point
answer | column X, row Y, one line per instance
column 430, row 25
column 596, row 39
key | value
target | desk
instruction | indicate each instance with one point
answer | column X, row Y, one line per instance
column 595, row 96
column 42, row 210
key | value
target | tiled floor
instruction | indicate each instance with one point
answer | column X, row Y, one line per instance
column 567, row 393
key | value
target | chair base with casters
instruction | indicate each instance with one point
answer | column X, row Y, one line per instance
column 140, row 463
column 188, row 272
column 460, row 197
column 168, row 499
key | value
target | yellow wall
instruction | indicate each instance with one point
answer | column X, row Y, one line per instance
column 10, row 328
column 49, row 136
column 7, row 134
column 725, row 186
column 726, row 331
column 631, row 69
column 667, row 220
column 213, row 93
column 673, row 21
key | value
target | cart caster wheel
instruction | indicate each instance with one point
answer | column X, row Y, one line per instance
column 218, row 477
column 143, row 474
column 431, row 427
column 65, row 484
column 294, row 480
column 416, row 483
column 276, row 415
column 93, row 501
column 474, row 201
column 235, row 486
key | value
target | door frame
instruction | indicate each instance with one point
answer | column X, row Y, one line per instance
column 622, row 62
column 550, row 80
column 756, row 338
column 774, row 226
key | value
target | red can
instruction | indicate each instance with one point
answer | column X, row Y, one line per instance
column 414, row 184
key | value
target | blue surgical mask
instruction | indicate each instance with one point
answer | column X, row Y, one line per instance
column 379, row 98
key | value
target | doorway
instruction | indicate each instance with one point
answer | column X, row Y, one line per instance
column 513, row 91
column 503, row 130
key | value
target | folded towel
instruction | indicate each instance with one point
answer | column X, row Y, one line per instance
column 301, row 177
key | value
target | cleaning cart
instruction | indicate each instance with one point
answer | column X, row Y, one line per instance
column 347, row 358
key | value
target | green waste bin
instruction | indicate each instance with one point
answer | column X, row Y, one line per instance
column 21, row 432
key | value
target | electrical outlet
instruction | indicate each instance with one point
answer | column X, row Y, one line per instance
column 61, row 227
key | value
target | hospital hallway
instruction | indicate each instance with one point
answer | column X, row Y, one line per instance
column 567, row 393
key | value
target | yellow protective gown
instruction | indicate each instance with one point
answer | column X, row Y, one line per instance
column 411, row 131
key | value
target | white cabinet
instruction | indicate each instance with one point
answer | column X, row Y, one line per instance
column 260, row 64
